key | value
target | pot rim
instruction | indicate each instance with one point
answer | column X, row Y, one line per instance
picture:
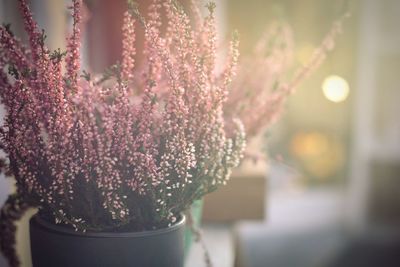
column 147, row 233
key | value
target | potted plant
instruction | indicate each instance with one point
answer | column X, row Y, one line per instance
column 112, row 162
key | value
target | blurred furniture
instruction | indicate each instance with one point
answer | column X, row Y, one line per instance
column 310, row 247
column 302, row 230
column 242, row 198
column 384, row 203
column 327, row 246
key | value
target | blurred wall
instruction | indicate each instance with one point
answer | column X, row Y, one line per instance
column 375, row 175
column 104, row 31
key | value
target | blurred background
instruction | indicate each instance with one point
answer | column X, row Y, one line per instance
column 329, row 193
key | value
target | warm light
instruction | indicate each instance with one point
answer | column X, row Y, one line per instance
column 304, row 53
column 335, row 88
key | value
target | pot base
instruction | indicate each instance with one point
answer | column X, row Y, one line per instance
column 54, row 245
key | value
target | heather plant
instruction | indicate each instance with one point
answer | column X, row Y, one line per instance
column 129, row 150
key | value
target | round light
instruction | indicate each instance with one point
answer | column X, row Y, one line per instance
column 335, row 88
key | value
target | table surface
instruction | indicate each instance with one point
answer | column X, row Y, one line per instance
column 219, row 242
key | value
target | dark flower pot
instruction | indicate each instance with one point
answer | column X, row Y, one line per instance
column 54, row 245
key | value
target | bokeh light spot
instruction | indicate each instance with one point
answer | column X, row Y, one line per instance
column 335, row 88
